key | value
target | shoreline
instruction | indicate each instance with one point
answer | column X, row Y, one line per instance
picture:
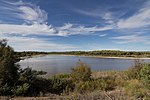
column 111, row 57
column 115, row 57
column 104, row 57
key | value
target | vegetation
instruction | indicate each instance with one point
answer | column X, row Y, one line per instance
column 59, row 85
column 134, row 71
column 100, row 53
column 81, row 73
column 145, row 73
column 135, row 89
column 16, row 81
column 81, row 83
column 8, row 69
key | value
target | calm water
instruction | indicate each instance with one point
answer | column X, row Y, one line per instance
column 62, row 64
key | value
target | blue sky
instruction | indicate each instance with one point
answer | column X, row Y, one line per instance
column 66, row 25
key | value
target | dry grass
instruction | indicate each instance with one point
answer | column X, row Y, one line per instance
column 113, row 74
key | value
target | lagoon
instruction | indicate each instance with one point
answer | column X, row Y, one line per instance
column 54, row 64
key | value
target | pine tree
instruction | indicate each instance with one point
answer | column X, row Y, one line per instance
column 8, row 68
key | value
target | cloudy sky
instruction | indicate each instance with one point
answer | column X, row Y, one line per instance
column 64, row 25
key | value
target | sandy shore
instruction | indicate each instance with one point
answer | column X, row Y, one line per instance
column 115, row 57
column 41, row 55
column 100, row 56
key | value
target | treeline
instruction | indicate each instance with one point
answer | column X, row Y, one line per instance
column 28, row 53
column 109, row 53
column 113, row 53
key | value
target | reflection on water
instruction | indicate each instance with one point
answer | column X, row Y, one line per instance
column 62, row 64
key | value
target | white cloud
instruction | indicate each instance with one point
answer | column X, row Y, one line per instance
column 131, row 39
column 35, row 28
column 44, row 29
column 109, row 18
column 135, row 27
column 88, row 13
column 33, row 18
column 34, row 44
column 105, row 14
column 102, row 35
column 70, row 29
column 66, row 26
column 35, row 22
column 138, row 20
column 30, row 14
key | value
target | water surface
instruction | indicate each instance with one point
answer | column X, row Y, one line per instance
column 54, row 64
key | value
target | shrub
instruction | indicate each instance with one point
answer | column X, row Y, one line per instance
column 145, row 73
column 38, row 86
column 135, row 89
column 106, row 83
column 59, row 86
column 87, row 86
column 81, row 73
column 120, row 82
column 134, row 72
column 20, row 90
column 96, row 84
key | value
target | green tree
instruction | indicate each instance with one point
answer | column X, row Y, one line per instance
column 17, row 81
column 8, row 68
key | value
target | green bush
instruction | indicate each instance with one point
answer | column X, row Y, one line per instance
column 145, row 73
column 134, row 71
column 36, row 85
column 20, row 90
column 87, row 86
column 59, row 86
column 81, row 73
column 39, row 86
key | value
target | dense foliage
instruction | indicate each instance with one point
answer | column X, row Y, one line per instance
column 17, row 81
column 60, row 85
column 8, row 69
